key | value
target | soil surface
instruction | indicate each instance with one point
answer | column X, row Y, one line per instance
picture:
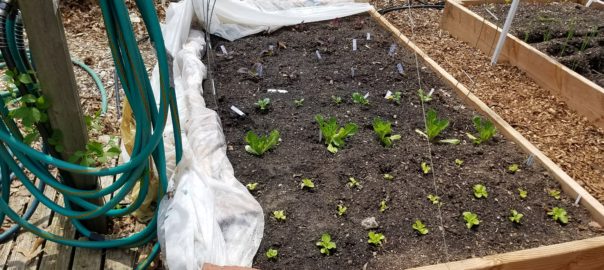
column 293, row 66
column 569, row 32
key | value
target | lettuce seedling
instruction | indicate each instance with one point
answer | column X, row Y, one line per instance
column 334, row 137
column 383, row 129
column 271, row 254
column 353, row 183
column 513, row 168
column 458, row 162
column 262, row 104
column 299, row 102
column 342, row 209
column 420, row 227
column 375, row 238
column 388, row 176
column 426, row 168
column 307, row 183
column 434, row 199
column 383, row 206
column 434, row 127
column 554, row 193
column 396, row 98
column 326, row 244
column 480, row 191
column 423, row 96
column 471, row 219
column 359, row 99
column 522, row 193
column 337, row 100
column 251, row 186
column 558, row 214
column 486, row 130
column 279, row 215
column 515, row 217
column 257, row 145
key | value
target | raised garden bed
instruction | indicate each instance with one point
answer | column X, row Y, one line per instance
column 581, row 94
column 294, row 65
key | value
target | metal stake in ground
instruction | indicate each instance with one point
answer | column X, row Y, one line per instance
column 504, row 32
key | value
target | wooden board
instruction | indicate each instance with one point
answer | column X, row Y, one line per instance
column 581, row 94
column 87, row 259
column 58, row 256
column 467, row 3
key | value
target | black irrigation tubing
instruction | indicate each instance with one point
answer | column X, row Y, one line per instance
column 439, row 5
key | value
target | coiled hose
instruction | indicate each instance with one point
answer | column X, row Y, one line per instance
column 150, row 122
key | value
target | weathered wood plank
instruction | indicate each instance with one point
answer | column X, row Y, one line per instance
column 18, row 203
column 5, row 250
column 581, row 94
column 119, row 259
column 87, row 259
column 58, row 256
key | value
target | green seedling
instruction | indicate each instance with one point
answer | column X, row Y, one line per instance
column 486, row 130
column 558, row 214
column 388, row 177
column 326, row 244
column 333, row 134
column 383, row 206
column 434, row 127
column 434, row 199
column 515, row 217
column 342, row 209
column 420, row 227
column 271, row 254
column 522, row 193
column 395, row 97
column 299, row 102
column 307, row 183
column 471, row 219
column 262, row 104
column 251, row 186
column 591, row 34
column 383, row 129
column 426, row 168
column 376, row 238
column 423, row 96
column 480, row 191
column 336, row 99
column 258, row 145
column 96, row 153
column 513, row 168
column 359, row 99
column 554, row 193
column 279, row 215
column 569, row 36
column 458, row 162
column 353, row 183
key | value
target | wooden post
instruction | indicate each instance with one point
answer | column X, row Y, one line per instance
column 49, row 51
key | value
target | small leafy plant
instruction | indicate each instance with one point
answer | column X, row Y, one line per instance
column 376, row 238
column 353, row 183
column 334, row 137
column 251, row 186
column 95, row 153
column 515, row 217
column 554, row 193
column 383, row 129
column 434, row 199
column 342, row 209
column 558, row 214
column 262, row 104
column 434, row 127
column 420, row 227
column 388, row 177
column 471, row 219
column 480, row 191
column 258, row 145
column 458, row 162
column 299, row 102
column 486, row 130
column 423, row 96
column 307, row 183
column 522, row 193
column 359, row 99
column 326, row 244
column 279, row 215
column 271, row 254
column 513, row 168
column 426, row 168
column 336, row 100
column 395, row 97
column 383, row 206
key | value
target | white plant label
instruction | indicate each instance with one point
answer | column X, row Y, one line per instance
column 388, row 94
column 368, row 36
column 367, row 95
column 529, row 160
column 392, row 50
column 431, row 92
column 237, row 111
column 318, row 54
column 352, row 72
column 280, row 91
column 400, row 69
column 354, row 44
column 223, row 49
column 578, row 199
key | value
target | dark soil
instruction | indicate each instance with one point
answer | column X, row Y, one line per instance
column 294, row 66
column 569, row 32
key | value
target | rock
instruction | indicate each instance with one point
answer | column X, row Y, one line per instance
column 369, row 223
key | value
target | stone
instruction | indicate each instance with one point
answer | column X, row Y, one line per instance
column 369, row 223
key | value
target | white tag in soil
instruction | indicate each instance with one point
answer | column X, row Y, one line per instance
column 237, row 111
column 367, row 95
column 352, row 72
column 318, row 54
column 223, row 49
column 388, row 94
column 354, row 44
column 368, row 36
column 399, row 68
column 392, row 50
column 280, row 91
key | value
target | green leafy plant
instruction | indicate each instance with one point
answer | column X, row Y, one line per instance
column 96, row 153
column 383, row 206
column 388, row 176
column 336, row 100
column 513, row 168
column 271, row 254
column 307, row 183
column 383, row 129
column 515, row 217
column 262, row 104
column 258, row 145
column 486, row 130
column 376, row 238
column 279, row 215
column 554, row 193
column 359, row 99
column 342, row 209
column 471, row 219
column 326, row 244
column 558, row 214
column 480, row 191
column 434, row 199
column 353, row 183
column 458, row 162
column 426, row 168
column 522, row 193
column 395, row 97
column 420, row 227
column 251, row 186
column 299, row 102
column 434, row 127
column 423, row 96
column 333, row 134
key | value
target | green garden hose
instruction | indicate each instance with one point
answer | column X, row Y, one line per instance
column 150, row 123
